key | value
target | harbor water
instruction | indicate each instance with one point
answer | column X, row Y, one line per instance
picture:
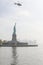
column 21, row 55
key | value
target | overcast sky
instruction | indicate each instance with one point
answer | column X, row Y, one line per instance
column 28, row 18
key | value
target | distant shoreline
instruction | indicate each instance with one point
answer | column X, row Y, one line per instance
column 19, row 46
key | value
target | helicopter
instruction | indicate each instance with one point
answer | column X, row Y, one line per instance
column 17, row 3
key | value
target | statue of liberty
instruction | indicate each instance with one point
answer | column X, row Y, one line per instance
column 14, row 29
column 14, row 33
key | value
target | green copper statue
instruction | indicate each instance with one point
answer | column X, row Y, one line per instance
column 14, row 29
column 14, row 33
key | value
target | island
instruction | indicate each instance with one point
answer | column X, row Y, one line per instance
column 15, row 43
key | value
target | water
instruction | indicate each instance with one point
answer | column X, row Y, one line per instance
column 21, row 55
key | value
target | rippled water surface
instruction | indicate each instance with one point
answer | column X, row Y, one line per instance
column 21, row 56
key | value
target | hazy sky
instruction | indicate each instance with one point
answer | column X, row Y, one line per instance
column 28, row 18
